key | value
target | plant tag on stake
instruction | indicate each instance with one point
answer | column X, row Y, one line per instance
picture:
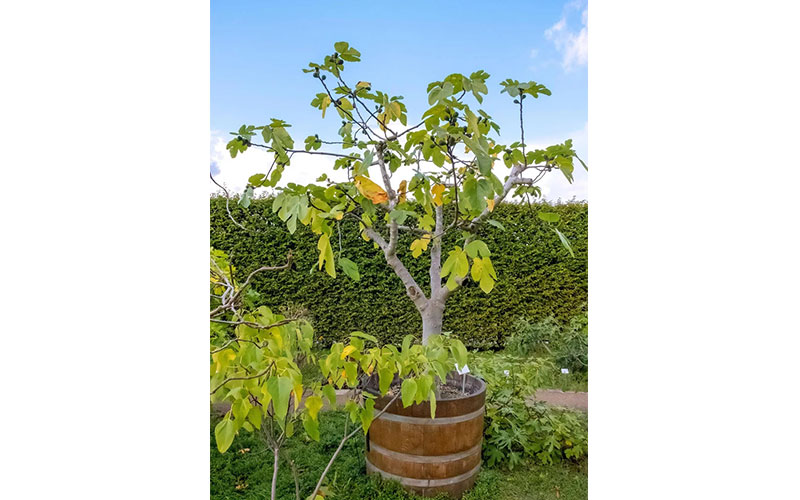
column 565, row 371
column 506, row 373
column 463, row 372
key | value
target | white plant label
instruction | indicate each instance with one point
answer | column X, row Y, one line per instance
column 462, row 371
column 506, row 373
column 565, row 370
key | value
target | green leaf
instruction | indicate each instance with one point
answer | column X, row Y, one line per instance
column 564, row 241
column 364, row 336
column 350, row 268
column 313, row 405
column 496, row 224
column 477, row 247
column 312, row 427
column 330, row 392
column 254, row 416
column 549, row 217
column 256, row 179
column 367, row 414
column 456, row 263
column 224, row 433
column 408, row 391
column 240, row 408
column 244, row 201
column 280, row 388
column 462, row 265
column 407, row 342
column 341, row 47
column 385, row 377
column 459, row 352
column 366, row 161
column 351, row 371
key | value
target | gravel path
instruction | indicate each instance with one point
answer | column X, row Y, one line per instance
column 555, row 397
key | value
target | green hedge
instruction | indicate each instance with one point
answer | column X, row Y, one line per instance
column 536, row 276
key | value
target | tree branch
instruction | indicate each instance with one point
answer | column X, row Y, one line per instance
column 413, row 290
column 229, row 304
column 227, row 202
column 231, row 379
column 325, row 153
column 435, row 271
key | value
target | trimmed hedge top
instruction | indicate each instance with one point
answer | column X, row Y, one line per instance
column 537, row 277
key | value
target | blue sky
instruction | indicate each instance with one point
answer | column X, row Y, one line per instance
column 258, row 50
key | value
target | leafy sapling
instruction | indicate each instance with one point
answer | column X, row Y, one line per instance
column 454, row 152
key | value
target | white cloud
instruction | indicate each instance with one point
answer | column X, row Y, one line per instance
column 234, row 172
column 572, row 45
column 554, row 185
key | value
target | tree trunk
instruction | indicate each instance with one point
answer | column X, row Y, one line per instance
column 432, row 317
column 274, row 473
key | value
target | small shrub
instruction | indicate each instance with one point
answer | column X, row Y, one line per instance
column 572, row 348
column 532, row 338
column 567, row 346
column 516, row 428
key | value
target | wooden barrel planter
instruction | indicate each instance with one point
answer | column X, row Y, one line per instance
column 430, row 456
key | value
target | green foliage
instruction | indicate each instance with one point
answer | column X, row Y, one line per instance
column 568, row 345
column 259, row 365
column 246, row 470
column 537, row 277
column 516, row 429
column 529, row 338
column 572, row 349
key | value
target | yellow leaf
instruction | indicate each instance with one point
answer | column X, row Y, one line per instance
column 402, row 194
column 477, row 269
column 347, row 350
column 326, row 101
column 326, row 255
column 363, row 85
column 396, row 109
column 420, row 245
column 490, row 202
column 487, row 283
column 339, row 215
column 382, row 118
column 298, row 394
column 437, row 191
column 370, row 190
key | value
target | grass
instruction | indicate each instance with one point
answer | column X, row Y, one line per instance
column 245, row 471
column 568, row 382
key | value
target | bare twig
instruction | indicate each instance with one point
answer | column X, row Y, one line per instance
column 230, row 303
column 231, row 379
column 344, row 440
column 227, row 201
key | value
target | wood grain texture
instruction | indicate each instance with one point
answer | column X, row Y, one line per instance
column 430, row 456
